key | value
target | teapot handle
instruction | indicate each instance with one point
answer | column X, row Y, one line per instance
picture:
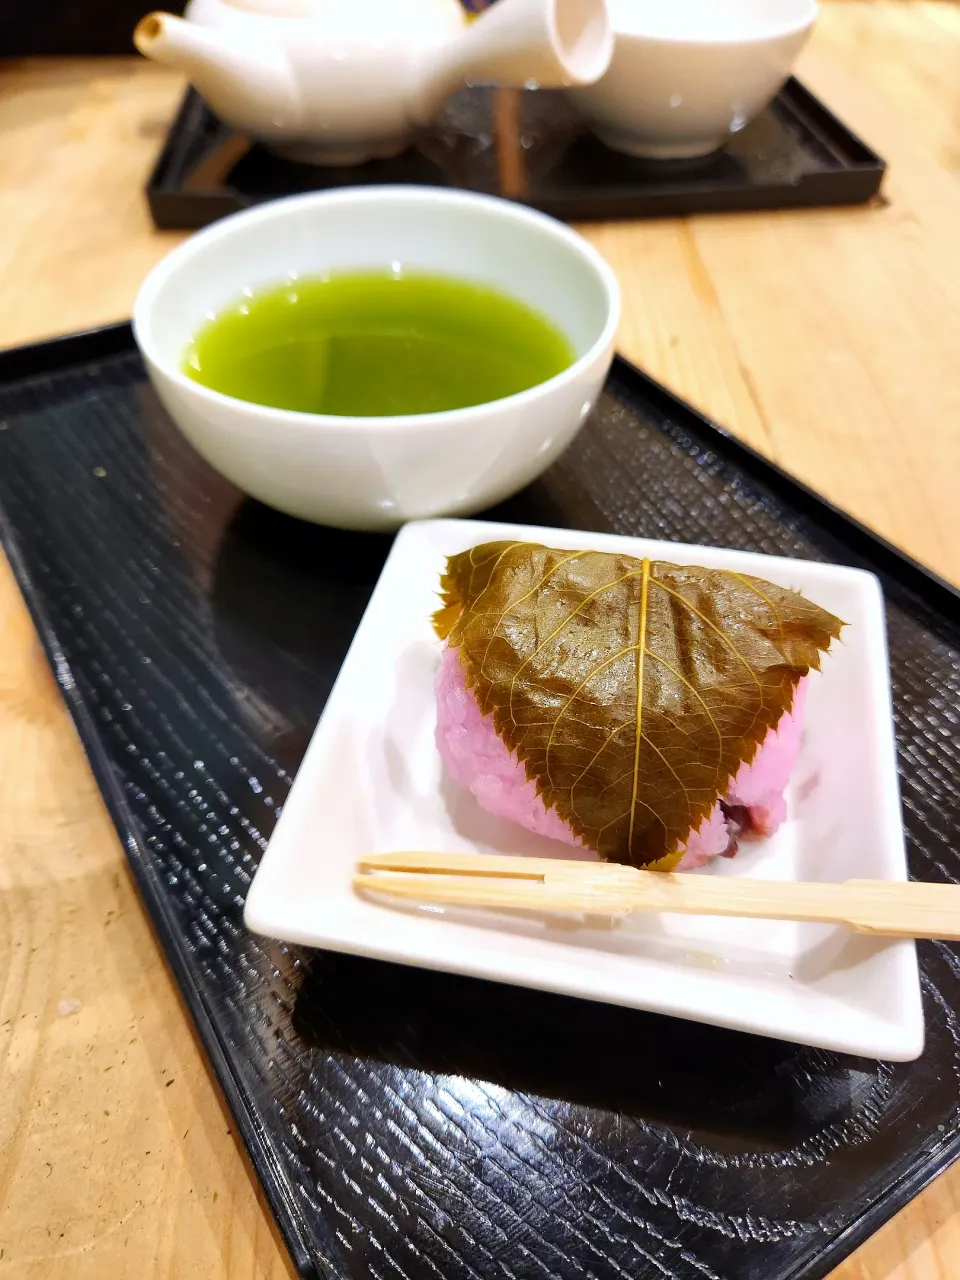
column 544, row 43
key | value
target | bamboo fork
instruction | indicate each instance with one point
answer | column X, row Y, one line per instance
column 892, row 908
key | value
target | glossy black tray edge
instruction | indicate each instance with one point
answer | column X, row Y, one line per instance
column 860, row 179
column 21, row 363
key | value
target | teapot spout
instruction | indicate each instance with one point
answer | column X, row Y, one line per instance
column 234, row 75
column 548, row 44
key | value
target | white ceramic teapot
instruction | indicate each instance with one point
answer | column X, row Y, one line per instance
column 343, row 81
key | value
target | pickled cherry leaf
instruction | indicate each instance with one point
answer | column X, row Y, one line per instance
column 631, row 690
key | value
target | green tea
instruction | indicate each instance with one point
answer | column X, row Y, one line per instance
column 374, row 343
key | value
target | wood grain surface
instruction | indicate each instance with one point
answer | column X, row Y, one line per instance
column 830, row 340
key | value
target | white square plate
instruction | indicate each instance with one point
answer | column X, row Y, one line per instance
column 372, row 782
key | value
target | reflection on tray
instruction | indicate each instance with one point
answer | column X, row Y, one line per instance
column 533, row 147
column 544, row 1045
column 509, row 143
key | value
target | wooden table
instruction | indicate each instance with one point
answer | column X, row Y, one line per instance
column 830, row 340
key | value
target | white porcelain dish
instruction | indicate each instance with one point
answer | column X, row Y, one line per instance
column 688, row 73
column 376, row 473
column 372, row 781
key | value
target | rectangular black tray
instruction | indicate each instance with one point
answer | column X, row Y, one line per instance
column 411, row 1125
column 532, row 147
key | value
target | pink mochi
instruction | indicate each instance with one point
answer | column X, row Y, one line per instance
column 478, row 760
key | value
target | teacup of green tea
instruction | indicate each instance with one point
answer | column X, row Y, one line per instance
column 366, row 357
column 376, row 343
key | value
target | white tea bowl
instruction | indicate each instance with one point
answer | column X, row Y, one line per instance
column 686, row 74
column 379, row 472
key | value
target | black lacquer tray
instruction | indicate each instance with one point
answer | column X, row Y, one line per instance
column 532, row 147
column 417, row 1126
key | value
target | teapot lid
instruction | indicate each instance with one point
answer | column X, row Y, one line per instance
column 383, row 11
column 277, row 8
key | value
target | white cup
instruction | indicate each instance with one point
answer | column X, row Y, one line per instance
column 377, row 473
column 686, row 74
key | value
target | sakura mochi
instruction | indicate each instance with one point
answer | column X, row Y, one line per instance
column 649, row 713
